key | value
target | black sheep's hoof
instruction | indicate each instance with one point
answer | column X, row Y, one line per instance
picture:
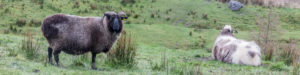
column 51, row 63
column 94, row 68
column 58, row 65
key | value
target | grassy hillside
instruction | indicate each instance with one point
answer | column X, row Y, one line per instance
column 173, row 36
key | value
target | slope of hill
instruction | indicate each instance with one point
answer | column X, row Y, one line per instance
column 173, row 36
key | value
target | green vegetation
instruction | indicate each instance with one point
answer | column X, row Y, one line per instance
column 172, row 37
column 124, row 52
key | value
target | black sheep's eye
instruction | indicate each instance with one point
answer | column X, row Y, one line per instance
column 228, row 30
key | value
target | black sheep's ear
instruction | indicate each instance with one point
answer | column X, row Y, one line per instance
column 107, row 15
column 124, row 18
column 123, row 15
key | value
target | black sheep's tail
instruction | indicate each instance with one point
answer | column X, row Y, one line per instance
column 48, row 25
column 49, row 31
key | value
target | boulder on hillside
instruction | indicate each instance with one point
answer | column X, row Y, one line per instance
column 235, row 5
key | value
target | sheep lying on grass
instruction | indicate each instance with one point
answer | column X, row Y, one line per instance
column 229, row 49
column 77, row 35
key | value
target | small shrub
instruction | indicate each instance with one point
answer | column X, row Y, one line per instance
column 6, row 31
column 85, row 1
column 12, row 52
column 141, row 6
column 167, row 12
column 12, row 29
column 128, row 22
column 168, row 18
column 144, row 21
column 125, row 2
column 76, row 4
column 200, row 42
column 136, row 16
column 30, row 47
column 200, row 24
column 21, row 22
column 152, row 15
column 153, row 1
column 40, row 2
column 205, row 16
column 158, row 16
column 86, row 10
column 23, row 6
column 108, row 7
column 93, row 6
column 170, row 10
column 129, row 14
column 53, row 8
column 192, row 13
column 35, row 22
column 6, row 10
column 215, row 21
column 105, row 1
column 124, row 52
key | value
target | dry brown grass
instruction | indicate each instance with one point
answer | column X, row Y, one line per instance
column 296, row 68
column 124, row 52
column 289, row 53
column 268, row 27
column 30, row 46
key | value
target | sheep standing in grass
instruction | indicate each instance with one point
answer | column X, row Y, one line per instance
column 78, row 35
column 229, row 49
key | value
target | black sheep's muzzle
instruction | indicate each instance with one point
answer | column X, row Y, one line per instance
column 116, row 25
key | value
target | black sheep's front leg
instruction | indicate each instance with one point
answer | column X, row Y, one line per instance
column 56, row 56
column 50, row 50
column 93, row 61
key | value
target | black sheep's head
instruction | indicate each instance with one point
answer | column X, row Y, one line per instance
column 115, row 21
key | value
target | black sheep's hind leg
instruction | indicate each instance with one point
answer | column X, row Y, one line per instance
column 50, row 50
column 56, row 57
column 93, row 61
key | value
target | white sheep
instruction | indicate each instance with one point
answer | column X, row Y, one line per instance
column 229, row 49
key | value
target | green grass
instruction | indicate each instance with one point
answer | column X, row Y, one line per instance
column 155, row 37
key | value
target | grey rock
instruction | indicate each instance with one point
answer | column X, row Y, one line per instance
column 235, row 5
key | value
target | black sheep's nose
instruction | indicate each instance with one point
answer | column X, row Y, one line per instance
column 116, row 25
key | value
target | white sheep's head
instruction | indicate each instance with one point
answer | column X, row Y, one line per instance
column 228, row 30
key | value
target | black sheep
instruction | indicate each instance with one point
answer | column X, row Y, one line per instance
column 78, row 35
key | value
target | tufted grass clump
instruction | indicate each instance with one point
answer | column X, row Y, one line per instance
column 128, row 2
column 124, row 52
column 290, row 53
column 30, row 46
column 163, row 65
column 296, row 68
